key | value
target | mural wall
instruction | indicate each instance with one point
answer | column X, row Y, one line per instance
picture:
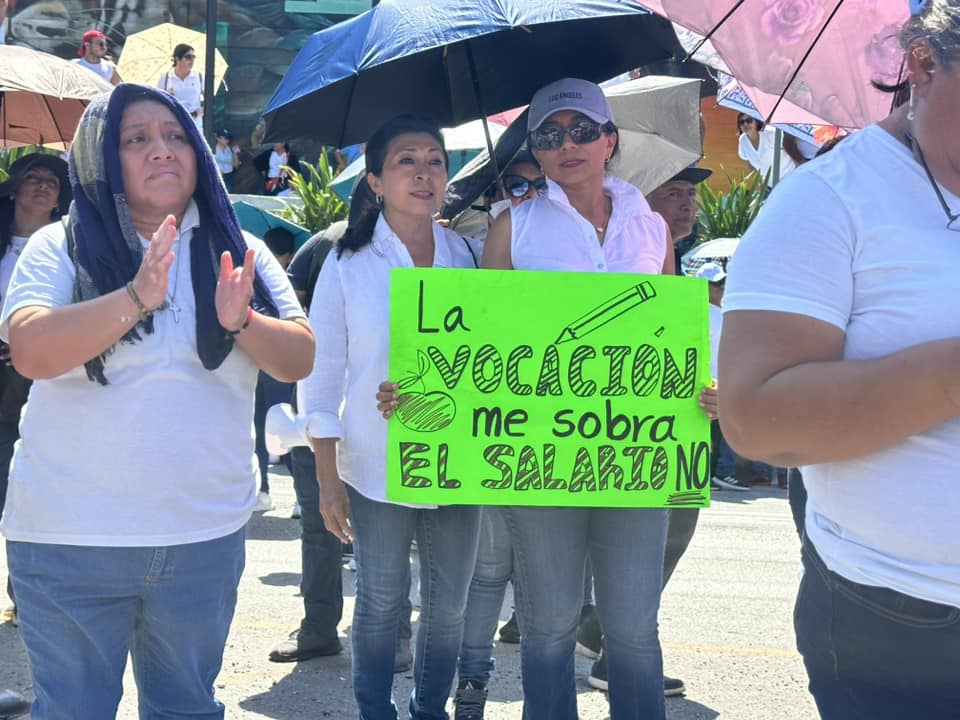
column 258, row 38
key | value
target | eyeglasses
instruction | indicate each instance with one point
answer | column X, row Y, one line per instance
column 952, row 218
column 98, row 43
column 745, row 121
column 518, row 186
column 189, row 57
column 551, row 136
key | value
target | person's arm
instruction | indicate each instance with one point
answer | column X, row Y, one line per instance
column 334, row 501
column 283, row 349
column 790, row 399
column 669, row 261
column 115, row 78
column 47, row 341
column 496, row 247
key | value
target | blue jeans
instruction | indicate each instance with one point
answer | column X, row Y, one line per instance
column 447, row 543
column 82, row 609
column 626, row 549
column 321, row 583
column 724, row 458
column 873, row 653
column 490, row 577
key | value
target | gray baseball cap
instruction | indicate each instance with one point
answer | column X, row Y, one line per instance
column 569, row 94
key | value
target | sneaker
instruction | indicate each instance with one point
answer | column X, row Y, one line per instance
column 295, row 513
column 13, row 704
column 510, row 632
column 305, row 645
column 263, row 502
column 589, row 634
column 673, row 686
column 403, row 656
column 10, row 615
column 598, row 673
column 728, row 482
column 469, row 700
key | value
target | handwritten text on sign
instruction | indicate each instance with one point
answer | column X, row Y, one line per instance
column 548, row 388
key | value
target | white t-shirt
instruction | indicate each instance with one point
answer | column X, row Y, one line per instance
column 350, row 316
column 163, row 455
column 761, row 157
column 224, row 157
column 8, row 262
column 276, row 161
column 716, row 327
column 188, row 91
column 104, row 68
column 549, row 234
column 857, row 239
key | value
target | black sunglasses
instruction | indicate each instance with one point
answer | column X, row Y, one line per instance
column 190, row 57
column 551, row 136
column 518, row 186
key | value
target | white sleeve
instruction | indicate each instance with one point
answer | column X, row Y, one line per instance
column 161, row 81
column 321, row 393
column 43, row 275
column 797, row 256
column 276, row 280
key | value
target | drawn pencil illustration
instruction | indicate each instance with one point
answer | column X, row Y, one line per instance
column 607, row 311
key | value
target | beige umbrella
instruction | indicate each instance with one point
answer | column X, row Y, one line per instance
column 42, row 97
column 148, row 54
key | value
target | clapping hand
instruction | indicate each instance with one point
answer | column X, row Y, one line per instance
column 150, row 282
column 234, row 290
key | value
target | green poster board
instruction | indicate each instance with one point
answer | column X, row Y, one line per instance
column 548, row 388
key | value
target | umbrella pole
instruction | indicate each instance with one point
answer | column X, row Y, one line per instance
column 777, row 149
column 483, row 113
column 209, row 67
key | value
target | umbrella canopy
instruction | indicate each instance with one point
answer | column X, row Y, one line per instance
column 148, row 54
column 43, row 97
column 658, row 119
column 800, row 62
column 463, row 143
column 257, row 221
column 454, row 61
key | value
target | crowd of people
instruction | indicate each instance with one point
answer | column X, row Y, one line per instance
column 131, row 298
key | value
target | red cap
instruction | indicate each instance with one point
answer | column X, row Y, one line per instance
column 87, row 37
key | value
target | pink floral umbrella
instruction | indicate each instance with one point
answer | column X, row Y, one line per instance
column 802, row 61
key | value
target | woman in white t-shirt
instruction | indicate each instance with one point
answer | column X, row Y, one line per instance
column 407, row 170
column 185, row 83
column 757, row 145
column 840, row 353
column 143, row 323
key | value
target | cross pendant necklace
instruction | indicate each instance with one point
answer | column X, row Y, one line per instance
column 172, row 299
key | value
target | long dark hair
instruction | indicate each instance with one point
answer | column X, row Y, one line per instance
column 360, row 231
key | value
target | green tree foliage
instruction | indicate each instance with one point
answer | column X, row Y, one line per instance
column 729, row 214
column 321, row 205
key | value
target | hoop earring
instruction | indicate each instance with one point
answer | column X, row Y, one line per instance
column 911, row 106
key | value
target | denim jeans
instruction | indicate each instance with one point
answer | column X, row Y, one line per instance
column 81, row 609
column 724, row 458
column 489, row 584
column 626, row 549
column 682, row 523
column 321, row 583
column 873, row 653
column 447, row 543
column 269, row 392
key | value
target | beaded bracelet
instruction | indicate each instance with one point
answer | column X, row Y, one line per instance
column 143, row 313
column 234, row 333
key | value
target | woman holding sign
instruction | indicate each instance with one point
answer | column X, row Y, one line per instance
column 407, row 169
column 588, row 222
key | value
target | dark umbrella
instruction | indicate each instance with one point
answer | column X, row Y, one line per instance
column 455, row 61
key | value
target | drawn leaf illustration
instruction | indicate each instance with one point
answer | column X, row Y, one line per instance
column 423, row 363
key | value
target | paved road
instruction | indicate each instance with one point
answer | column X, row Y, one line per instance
column 725, row 626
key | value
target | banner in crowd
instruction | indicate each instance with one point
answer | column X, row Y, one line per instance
column 548, row 388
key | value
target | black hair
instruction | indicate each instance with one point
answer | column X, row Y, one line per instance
column 179, row 51
column 360, row 229
column 609, row 128
column 279, row 240
column 742, row 116
column 8, row 205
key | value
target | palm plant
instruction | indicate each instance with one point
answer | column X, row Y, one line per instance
column 321, row 206
column 729, row 214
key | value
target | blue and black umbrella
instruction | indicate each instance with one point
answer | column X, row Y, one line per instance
column 455, row 61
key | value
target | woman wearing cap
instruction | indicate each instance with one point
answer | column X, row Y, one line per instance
column 143, row 323
column 588, row 222
column 185, row 83
column 36, row 194
column 841, row 323
column 227, row 156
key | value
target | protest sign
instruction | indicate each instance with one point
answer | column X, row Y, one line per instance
column 548, row 388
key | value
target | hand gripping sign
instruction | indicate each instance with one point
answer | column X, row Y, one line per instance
column 548, row 388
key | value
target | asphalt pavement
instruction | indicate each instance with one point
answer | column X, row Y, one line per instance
column 725, row 626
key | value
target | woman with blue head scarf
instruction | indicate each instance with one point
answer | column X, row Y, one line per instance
column 143, row 320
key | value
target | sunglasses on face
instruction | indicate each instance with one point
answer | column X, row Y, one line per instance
column 745, row 121
column 551, row 136
column 517, row 186
column 191, row 56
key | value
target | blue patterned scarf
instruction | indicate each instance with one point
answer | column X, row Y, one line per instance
column 103, row 241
